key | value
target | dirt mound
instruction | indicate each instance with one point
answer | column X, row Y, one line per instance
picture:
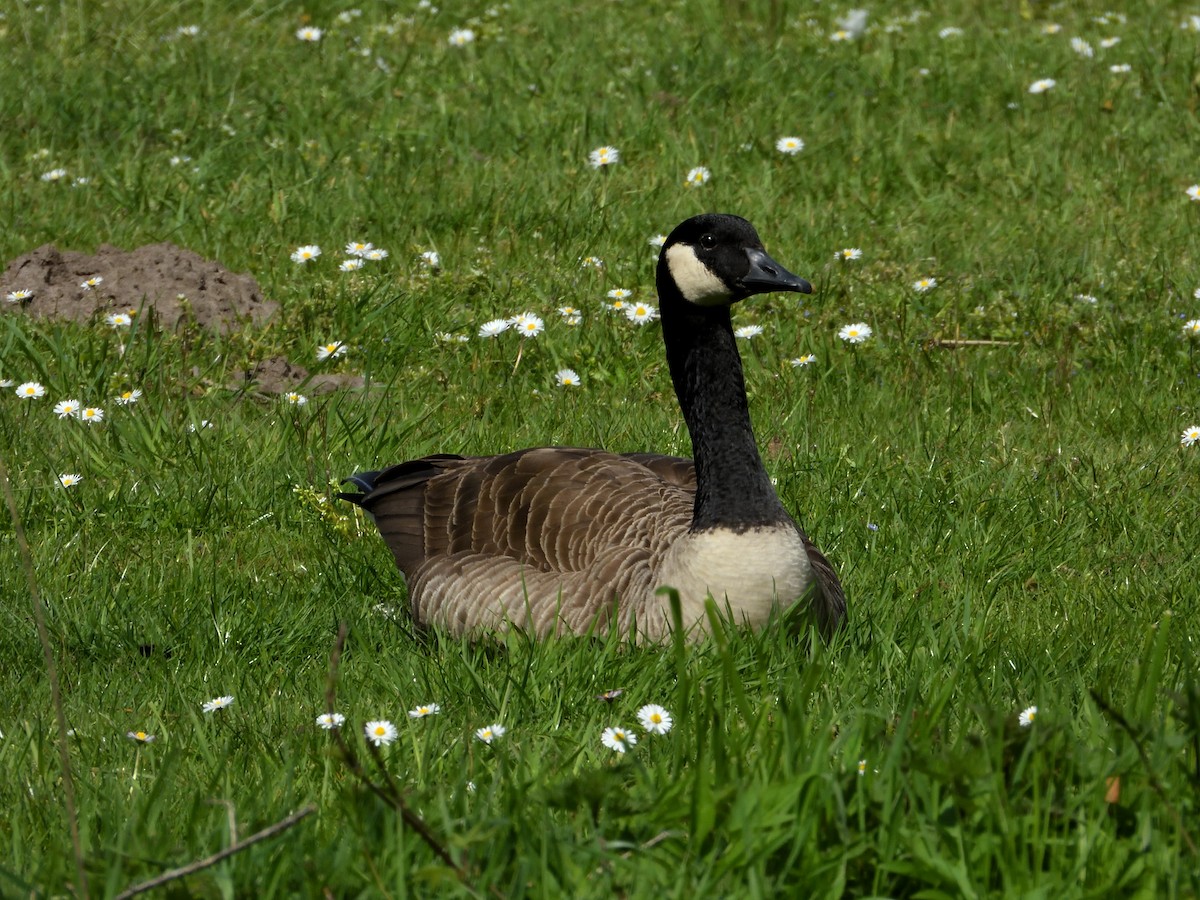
column 176, row 283
column 278, row 376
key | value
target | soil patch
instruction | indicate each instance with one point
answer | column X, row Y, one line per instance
column 177, row 284
column 278, row 376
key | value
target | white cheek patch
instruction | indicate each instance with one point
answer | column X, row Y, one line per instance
column 696, row 281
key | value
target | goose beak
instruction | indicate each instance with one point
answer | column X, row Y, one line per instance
column 766, row 275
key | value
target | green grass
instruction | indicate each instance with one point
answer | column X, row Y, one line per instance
column 1034, row 515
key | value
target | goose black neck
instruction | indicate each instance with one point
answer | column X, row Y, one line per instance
column 733, row 489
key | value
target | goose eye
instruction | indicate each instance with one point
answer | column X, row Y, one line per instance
column 708, row 241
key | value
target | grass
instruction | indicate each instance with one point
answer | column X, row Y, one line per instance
column 1015, row 523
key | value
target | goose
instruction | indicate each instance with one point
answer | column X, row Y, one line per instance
column 559, row 540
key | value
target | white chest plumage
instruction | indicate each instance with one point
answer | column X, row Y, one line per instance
column 753, row 572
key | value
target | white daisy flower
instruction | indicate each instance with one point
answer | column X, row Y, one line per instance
column 218, row 703
column 1042, row 85
column 853, row 24
column 618, row 739
column 380, row 732
column 604, row 156
column 1120, row 68
column 620, row 294
column 789, row 145
column 295, row 399
column 309, row 34
column 1027, row 716
column 351, row 265
column 1190, row 436
column 140, row 737
column 91, row 415
column 1191, row 328
column 332, row 350
column 204, row 424
column 54, row 175
column 31, row 390
column 856, row 333
column 490, row 733
column 950, row 31
column 921, row 285
column 426, row 709
column 697, row 176
column 306, row 253
column 747, row 331
column 359, row 248
column 66, row 409
column 567, row 378
column 1194, row 192
column 639, row 313
column 1108, row 42
column 329, row 721
column 862, row 767
column 1082, row 47
column 92, row 282
column 573, row 320
column 432, row 259
column 591, row 262
column 460, row 37
column 18, row 296
column 806, row 360
column 375, row 254
column 657, row 241
column 118, row 320
column 654, row 719
column 128, row 398
column 69, row 479
column 1051, row 28
column 493, row 328
column 568, row 311
column 528, row 324
column 849, row 253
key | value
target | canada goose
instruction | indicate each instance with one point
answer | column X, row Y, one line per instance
column 560, row 539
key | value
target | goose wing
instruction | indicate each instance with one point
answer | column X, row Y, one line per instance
column 546, row 537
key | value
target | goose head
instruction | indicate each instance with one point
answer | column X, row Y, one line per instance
column 715, row 260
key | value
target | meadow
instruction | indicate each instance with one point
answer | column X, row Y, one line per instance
column 1005, row 472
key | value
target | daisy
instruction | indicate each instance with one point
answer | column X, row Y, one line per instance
column 640, row 313
column 618, row 739
column 1191, row 435
column 91, row 414
column 856, row 333
column 568, row 311
column 921, row 285
column 853, row 24
column 375, row 254
column 1191, row 328
column 18, row 296
column 595, row 262
column 351, row 265
column 330, row 721
column 92, row 282
column 332, row 350
column 1194, row 192
column 140, row 737
column 493, row 328
column 789, row 145
column 806, row 360
column 30, row 390
column 697, row 176
column 567, row 378
column 359, row 248
column 604, row 156
column 69, row 479
column 431, row 259
column 380, row 732
column 1042, row 85
column 657, row 241
column 54, row 175
column 490, row 733
column 655, row 719
column 295, row 399
column 118, row 320
column 748, row 331
column 620, row 294
column 1109, row 42
column 218, row 703
column 460, row 37
column 1051, row 28
column 307, row 253
column 1120, row 68
column 849, row 253
column 128, row 398
column 1082, row 47
column 529, row 325
column 309, row 34
column 204, row 424
column 427, row 709
column 841, row 35
column 66, row 409
column 862, row 767
column 1027, row 716
column 576, row 319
